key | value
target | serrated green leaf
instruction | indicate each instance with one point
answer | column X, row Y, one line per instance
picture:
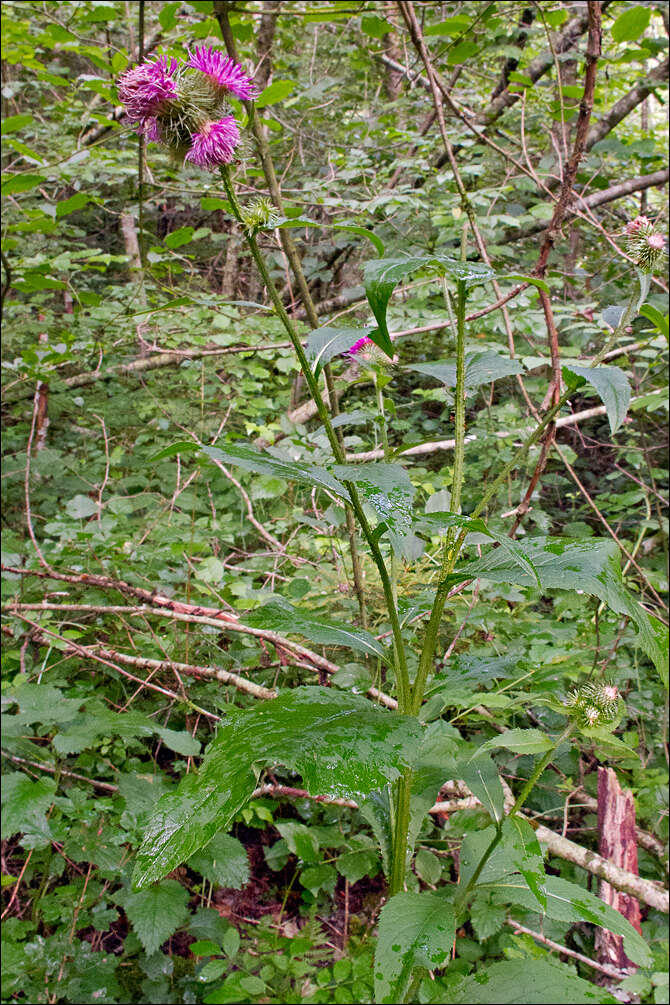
column 521, row 741
column 279, row 615
column 178, row 237
column 21, row 183
column 590, row 566
column 81, row 507
column 630, row 25
column 526, row 982
column 428, row 866
column 13, row 123
column 156, row 913
column 223, row 861
column 485, row 917
column 571, row 903
column 340, row 743
column 416, row 930
column 361, row 859
column 75, row 202
column 275, row 92
column 612, row 386
column 267, row 464
column 24, row 803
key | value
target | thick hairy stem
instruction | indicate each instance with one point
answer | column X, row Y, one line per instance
column 402, row 676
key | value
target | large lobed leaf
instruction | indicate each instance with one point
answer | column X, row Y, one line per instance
column 340, row 744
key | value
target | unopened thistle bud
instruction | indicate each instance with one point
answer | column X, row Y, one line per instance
column 594, row 704
column 185, row 106
column 645, row 245
column 260, row 215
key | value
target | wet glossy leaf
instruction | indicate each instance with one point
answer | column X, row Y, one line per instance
column 281, row 616
column 339, row 743
column 513, row 549
column 389, row 491
column 267, row 464
column 526, row 982
column 571, row 903
column 588, row 566
column 415, row 930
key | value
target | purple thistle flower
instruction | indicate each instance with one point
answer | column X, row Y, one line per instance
column 215, row 143
column 225, row 72
column 146, row 88
column 359, row 346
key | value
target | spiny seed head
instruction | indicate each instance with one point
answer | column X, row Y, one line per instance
column 594, row 704
column 260, row 215
column 645, row 245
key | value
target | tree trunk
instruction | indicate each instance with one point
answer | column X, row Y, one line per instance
column 618, row 843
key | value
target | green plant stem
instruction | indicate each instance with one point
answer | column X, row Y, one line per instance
column 379, row 392
column 452, row 545
column 402, row 675
column 290, row 250
column 520, row 800
column 401, row 815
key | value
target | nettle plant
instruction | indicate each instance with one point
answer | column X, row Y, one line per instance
column 394, row 759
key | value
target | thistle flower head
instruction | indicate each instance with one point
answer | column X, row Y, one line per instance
column 185, row 105
column 148, row 88
column 215, row 143
column 225, row 72
column 636, row 225
column 366, row 352
column 360, row 346
column 594, row 704
column 645, row 245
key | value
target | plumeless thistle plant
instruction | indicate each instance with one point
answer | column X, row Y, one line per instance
column 391, row 760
